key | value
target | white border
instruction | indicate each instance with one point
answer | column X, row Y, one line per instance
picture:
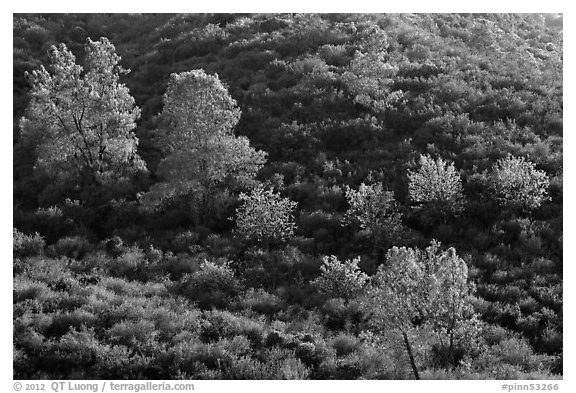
column 422, row 6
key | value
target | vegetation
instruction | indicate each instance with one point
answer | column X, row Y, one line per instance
column 518, row 184
column 436, row 186
column 83, row 122
column 264, row 196
column 265, row 216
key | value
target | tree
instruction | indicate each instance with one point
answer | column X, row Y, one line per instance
column 437, row 186
column 518, row 184
column 265, row 216
column 83, row 119
column 203, row 157
column 340, row 279
column 375, row 211
column 420, row 288
column 369, row 78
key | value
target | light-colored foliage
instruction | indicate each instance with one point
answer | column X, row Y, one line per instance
column 374, row 209
column 214, row 277
column 517, row 183
column 25, row 245
column 340, row 279
column 429, row 286
column 198, row 141
column 83, row 118
column 265, row 215
column 436, row 184
column 368, row 78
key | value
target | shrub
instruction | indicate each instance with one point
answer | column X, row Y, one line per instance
column 518, row 184
column 375, row 210
column 50, row 222
column 212, row 286
column 62, row 322
column 27, row 245
column 306, row 352
column 512, row 356
column 260, row 301
column 292, row 369
column 340, row 279
column 334, row 314
column 274, row 338
column 131, row 263
column 265, row 216
column 345, row 344
column 25, row 289
column 219, row 246
column 436, row 185
column 72, row 247
column 185, row 241
column 133, row 334
column 219, row 324
column 176, row 266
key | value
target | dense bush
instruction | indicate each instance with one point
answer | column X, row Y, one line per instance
column 265, row 216
column 211, row 286
column 340, row 279
column 437, row 186
column 27, row 245
column 71, row 246
column 518, row 184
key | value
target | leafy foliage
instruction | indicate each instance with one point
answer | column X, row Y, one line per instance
column 265, row 216
column 437, row 185
column 340, row 279
column 375, row 210
column 83, row 119
column 210, row 286
column 24, row 245
column 369, row 79
column 201, row 150
column 518, row 184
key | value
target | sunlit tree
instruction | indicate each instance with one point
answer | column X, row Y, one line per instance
column 374, row 210
column 518, row 184
column 265, row 216
column 340, row 279
column 420, row 288
column 202, row 156
column 368, row 78
column 436, row 185
column 83, row 118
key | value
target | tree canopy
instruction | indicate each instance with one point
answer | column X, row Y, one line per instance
column 196, row 136
column 437, row 185
column 83, row 118
column 265, row 215
column 518, row 184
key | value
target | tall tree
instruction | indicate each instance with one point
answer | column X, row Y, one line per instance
column 203, row 158
column 82, row 120
column 420, row 288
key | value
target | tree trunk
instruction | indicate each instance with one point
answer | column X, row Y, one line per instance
column 409, row 350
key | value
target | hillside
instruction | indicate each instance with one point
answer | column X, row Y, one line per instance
column 257, row 213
